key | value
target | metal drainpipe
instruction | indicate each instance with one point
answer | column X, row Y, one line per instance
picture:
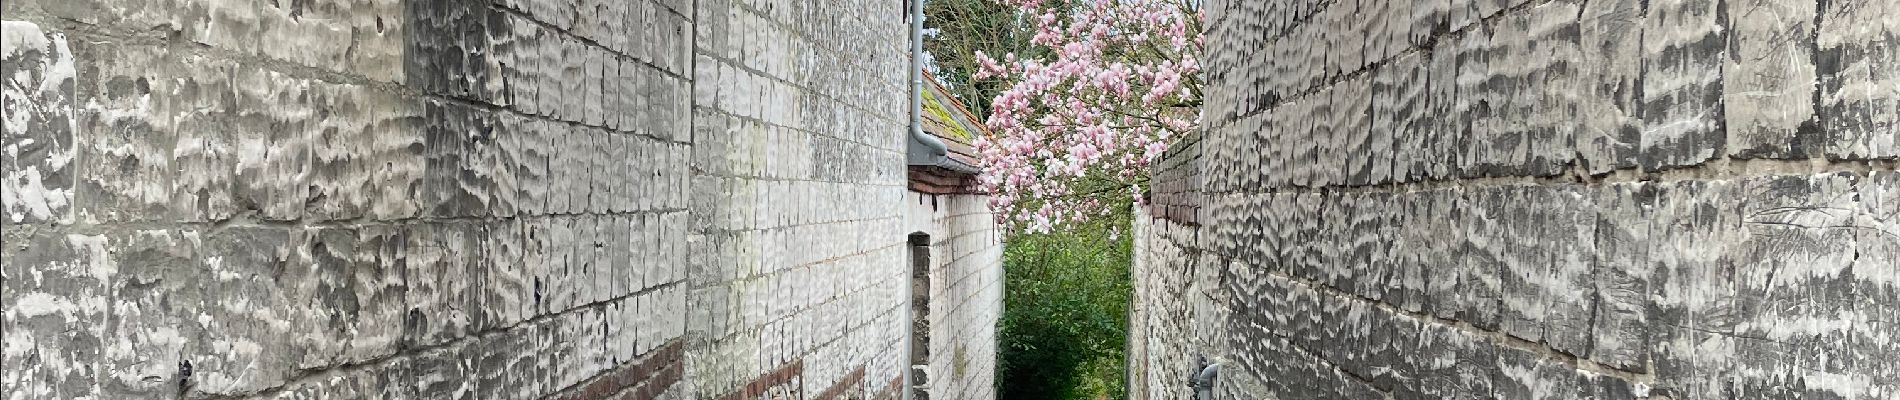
column 933, row 146
column 923, row 149
column 916, row 135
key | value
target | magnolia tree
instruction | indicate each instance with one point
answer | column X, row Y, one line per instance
column 1112, row 84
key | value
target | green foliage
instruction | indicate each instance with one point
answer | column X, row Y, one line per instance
column 965, row 27
column 1065, row 324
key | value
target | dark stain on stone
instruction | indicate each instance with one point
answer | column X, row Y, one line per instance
column 184, row 377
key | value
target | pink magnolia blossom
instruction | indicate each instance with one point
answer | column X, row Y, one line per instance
column 1115, row 83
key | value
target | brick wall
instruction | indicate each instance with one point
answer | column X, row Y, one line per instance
column 965, row 293
column 452, row 199
column 1535, row 199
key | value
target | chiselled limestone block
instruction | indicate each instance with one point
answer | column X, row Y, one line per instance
column 247, row 305
column 1290, row 369
column 1877, row 251
column 1454, row 364
column 1620, row 334
column 39, row 139
column 1357, row 158
column 494, row 167
column 1546, row 291
column 1301, row 156
column 527, row 139
column 562, row 171
column 274, row 142
column 1502, row 97
column 635, row 104
column 1486, row 252
column 600, row 172
column 507, row 293
column 1684, row 47
column 355, row 37
column 461, row 170
column 445, row 279
column 207, row 147
column 571, row 82
column 154, row 326
column 554, row 276
column 1386, row 28
column 592, row 96
column 1788, row 304
column 516, row 43
column 1694, row 303
column 388, row 379
column 1303, row 232
column 1398, row 119
column 1554, row 82
column 361, row 137
column 126, row 167
column 55, row 316
column 447, row 48
column 643, row 270
column 1445, row 123
column 1343, row 30
column 1442, row 254
column 1424, row 20
column 442, row 371
column 1466, row 13
column 1413, row 248
column 1609, row 68
column 1522, row 374
column 347, row 288
column 1767, row 306
column 1769, row 83
column 1859, row 91
column 1366, row 244
column 1469, row 99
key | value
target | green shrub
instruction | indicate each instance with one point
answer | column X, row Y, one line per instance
column 1065, row 322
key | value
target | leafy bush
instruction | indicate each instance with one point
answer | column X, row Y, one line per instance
column 1065, row 322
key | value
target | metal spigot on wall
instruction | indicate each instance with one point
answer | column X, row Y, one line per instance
column 1202, row 381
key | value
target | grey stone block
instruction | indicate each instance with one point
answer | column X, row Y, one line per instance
column 125, row 160
column 248, row 307
column 274, row 142
column 1684, row 46
column 1857, row 99
column 1620, row 331
column 68, row 288
column 1877, row 251
column 1609, row 129
column 1768, row 84
column 40, row 137
column 444, row 291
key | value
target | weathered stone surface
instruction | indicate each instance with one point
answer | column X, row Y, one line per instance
column 1768, row 84
column 125, row 159
column 1609, row 128
column 57, row 300
column 1577, row 206
column 1623, row 228
column 1684, row 46
column 1877, row 252
column 39, row 136
column 510, row 199
column 362, row 37
column 273, row 142
column 1858, row 102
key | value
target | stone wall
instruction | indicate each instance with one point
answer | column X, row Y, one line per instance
column 452, row 199
column 797, row 207
column 1534, row 199
column 964, row 295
